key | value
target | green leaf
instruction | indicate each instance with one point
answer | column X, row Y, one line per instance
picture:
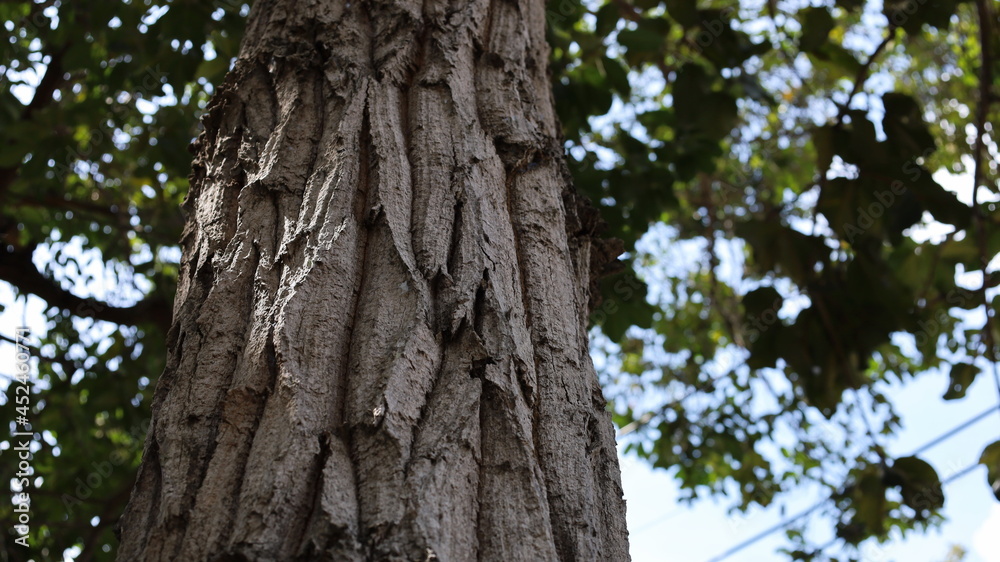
column 911, row 15
column 641, row 40
column 904, row 126
column 763, row 302
column 940, row 202
column 617, row 76
column 964, row 251
column 962, row 376
column 817, row 23
column 991, row 458
column 685, row 12
column 822, row 139
column 607, row 18
column 850, row 5
column 839, row 58
column 870, row 504
column 623, row 305
column 919, row 485
column 719, row 114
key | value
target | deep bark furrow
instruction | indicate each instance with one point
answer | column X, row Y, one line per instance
column 560, row 369
column 380, row 347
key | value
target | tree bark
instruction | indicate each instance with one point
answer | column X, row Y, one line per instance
column 379, row 348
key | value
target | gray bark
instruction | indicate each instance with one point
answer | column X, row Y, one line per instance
column 379, row 347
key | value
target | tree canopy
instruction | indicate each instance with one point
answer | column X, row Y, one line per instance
column 770, row 167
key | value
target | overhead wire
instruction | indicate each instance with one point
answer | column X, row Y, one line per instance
column 791, row 520
column 945, row 482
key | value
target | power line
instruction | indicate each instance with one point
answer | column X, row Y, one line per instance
column 787, row 522
column 960, row 473
column 996, row 372
column 944, row 482
column 768, row 531
column 816, row 506
column 655, row 522
column 946, row 435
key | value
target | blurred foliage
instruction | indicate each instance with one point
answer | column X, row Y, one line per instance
column 98, row 104
column 770, row 165
column 774, row 167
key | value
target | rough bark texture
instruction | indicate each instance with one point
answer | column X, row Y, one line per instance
column 379, row 349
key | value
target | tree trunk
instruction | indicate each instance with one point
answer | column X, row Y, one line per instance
column 379, row 348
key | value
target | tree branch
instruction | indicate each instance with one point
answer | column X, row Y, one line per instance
column 43, row 96
column 17, row 269
column 978, row 175
column 863, row 72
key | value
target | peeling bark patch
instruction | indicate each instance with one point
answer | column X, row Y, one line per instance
column 379, row 349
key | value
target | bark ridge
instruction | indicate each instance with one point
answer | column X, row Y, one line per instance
column 379, row 348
